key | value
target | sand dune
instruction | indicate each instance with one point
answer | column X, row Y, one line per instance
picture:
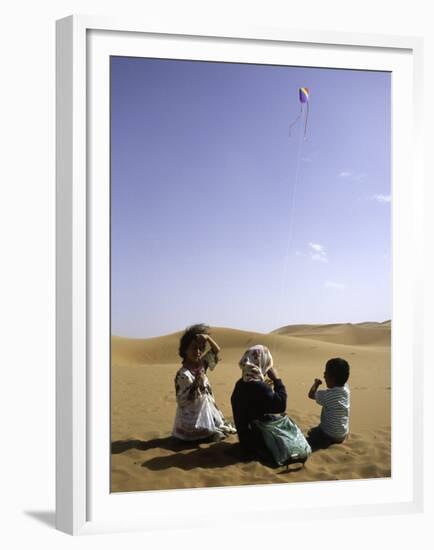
column 348, row 334
column 143, row 407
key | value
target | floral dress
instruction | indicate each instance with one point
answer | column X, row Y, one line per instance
column 197, row 415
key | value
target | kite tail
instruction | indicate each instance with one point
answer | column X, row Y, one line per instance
column 305, row 122
column 296, row 120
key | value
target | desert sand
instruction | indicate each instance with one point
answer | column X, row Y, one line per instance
column 144, row 456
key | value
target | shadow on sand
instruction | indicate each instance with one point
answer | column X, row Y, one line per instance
column 218, row 455
column 167, row 443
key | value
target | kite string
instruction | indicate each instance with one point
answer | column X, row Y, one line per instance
column 305, row 121
column 290, row 234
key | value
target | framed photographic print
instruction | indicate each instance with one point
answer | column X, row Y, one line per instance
column 238, row 229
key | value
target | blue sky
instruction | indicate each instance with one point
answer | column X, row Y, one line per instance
column 218, row 215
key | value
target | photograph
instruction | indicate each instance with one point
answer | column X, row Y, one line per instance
column 250, row 274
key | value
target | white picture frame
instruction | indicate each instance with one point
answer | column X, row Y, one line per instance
column 83, row 503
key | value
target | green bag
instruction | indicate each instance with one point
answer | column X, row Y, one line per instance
column 283, row 439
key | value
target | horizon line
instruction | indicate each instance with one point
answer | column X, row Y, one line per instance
column 213, row 327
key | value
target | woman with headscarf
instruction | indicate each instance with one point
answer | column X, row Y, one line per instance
column 254, row 399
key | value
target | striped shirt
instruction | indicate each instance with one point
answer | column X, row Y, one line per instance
column 335, row 413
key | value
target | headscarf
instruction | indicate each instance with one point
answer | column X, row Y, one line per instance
column 255, row 362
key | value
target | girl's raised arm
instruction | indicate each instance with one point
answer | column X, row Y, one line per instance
column 207, row 338
column 212, row 343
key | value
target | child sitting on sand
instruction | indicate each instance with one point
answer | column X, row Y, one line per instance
column 335, row 402
column 197, row 416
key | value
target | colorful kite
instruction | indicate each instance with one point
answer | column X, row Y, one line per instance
column 303, row 95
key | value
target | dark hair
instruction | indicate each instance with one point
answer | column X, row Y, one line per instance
column 189, row 335
column 339, row 369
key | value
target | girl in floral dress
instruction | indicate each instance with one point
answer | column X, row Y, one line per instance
column 197, row 416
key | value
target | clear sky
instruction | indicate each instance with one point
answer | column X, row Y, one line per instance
column 218, row 215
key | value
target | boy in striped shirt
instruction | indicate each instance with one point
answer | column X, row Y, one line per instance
column 335, row 402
